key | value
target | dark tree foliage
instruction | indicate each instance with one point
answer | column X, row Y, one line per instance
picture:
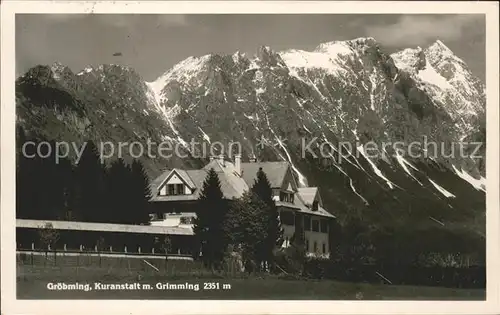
column 209, row 229
column 262, row 189
column 43, row 182
column 50, row 188
column 118, row 209
column 140, row 193
column 126, row 194
column 247, row 228
column 90, row 183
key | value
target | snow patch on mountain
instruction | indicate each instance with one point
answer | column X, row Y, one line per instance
column 479, row 184
column 404, row 164
column 86, row 70
column 375, row 168
column 357, row 194
column 373, row 81
column 299, row 59
column 430, row 75
column 446, row 193
column 205, row 136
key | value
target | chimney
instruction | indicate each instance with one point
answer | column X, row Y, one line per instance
column 220, row 158
column 237, row 164
column 315, row 205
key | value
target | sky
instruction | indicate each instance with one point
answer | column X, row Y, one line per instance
column 151, row 44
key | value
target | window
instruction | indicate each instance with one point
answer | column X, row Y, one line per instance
column 171, row 189
column 315, row 249
column 315, row 225
column 307, row 245
column 287, row 218
column 324, row 226
column 324, row 248
column 175, row 189
column 286, row 197
column 180, row 189
column 307, row 223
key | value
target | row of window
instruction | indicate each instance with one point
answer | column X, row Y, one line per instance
column 315, row 225
column 172, row 190
column 286, row 197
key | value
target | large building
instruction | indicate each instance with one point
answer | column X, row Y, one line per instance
column 176, row 191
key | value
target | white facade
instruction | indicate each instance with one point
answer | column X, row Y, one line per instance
column 316, row 242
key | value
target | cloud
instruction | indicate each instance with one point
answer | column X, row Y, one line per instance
column 420, row 29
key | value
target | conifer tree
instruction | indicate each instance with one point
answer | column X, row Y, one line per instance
column 209, row 226
column 247, row 228
column 262, row 189
column 44, row 179
column 118, row 208
column 26, row 176
column 90, row 191
column 140, row 193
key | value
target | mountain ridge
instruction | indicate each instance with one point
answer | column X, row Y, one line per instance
column 342, row 91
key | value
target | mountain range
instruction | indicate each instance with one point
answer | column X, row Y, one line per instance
column 340, row 92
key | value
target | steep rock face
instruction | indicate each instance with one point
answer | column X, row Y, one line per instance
column 106, row 104
column 286, row 106
column 446, row 78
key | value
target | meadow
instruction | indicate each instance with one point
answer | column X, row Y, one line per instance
column 34, row 273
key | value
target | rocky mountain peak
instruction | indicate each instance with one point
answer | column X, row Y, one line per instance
column 439, row 48
column 410, row 59
column 60, row 71
column 267, row 56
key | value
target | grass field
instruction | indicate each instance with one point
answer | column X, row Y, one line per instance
column 32, row 284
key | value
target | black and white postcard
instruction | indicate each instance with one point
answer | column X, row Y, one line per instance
column 249, row 157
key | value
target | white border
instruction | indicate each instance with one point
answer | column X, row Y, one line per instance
column 7, row 198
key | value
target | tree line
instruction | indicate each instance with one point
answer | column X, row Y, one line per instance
column 87, row 191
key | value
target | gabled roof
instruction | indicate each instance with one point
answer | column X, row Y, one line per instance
column 182, row 174
column 275, row 172
column 300, row 205
column 232, row 185
column 196, row 176
column 308, row 194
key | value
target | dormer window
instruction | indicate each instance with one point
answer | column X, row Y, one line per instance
column 176, row 184
column 286, row 197
column 173, row 190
